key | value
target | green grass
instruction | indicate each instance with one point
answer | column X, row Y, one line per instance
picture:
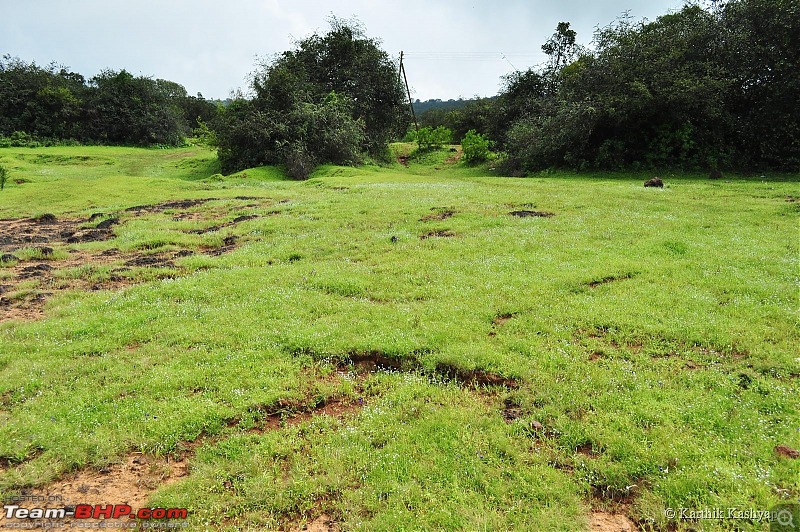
column 654, row 331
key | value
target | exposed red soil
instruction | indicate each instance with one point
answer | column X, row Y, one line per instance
column 43, row 275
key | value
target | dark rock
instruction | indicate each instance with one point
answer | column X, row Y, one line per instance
column 8, row 257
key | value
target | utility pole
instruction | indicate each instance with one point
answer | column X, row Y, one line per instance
column 408, row 91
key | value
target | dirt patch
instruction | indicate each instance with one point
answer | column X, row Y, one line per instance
column 609, row 279
column 16, row 233
column 511, row 410
column 131, row 482
column 287, row 413
column 587, row 449
column 608, row 522
column 787, row 452
column 47, row 273
column 228, row 244
column 371, row 361
column 439, row 213
column 475, row 378
column 215, row 228
column 49, row 277
column 532, row 214
column 323, row 523
column 502, row 319
column 161, row 207
column 443, row 233
column 138, row 476
column 150, row 261
column 458, row 153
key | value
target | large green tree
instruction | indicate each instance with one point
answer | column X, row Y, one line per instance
column 40, row 101
column 697, row 89
column 333, row 98
column 127, row 109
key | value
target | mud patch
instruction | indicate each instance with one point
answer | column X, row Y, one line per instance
column 785, row 451
column 532, row 214
column 45, row 219
column 34, row 280
column 131, row 482
column 372, row 361
column 323, row 523
column 16, row 233
column 609, row 279
column 498, row 321
column 459, row 152
column 444, row 233
column 150, row 261
column 289, row 413
column 587, row 450
column 214, row 228
column 511, row 410
column 228, row 244
column 475, row 378
column 439, row 213
column 161, row 207
column 607, row 522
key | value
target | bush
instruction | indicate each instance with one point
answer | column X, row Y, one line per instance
column 476, row 147
column 429, row 139
column 3, row 177
column 299, row 162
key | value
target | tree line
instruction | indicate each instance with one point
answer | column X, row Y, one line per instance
column 52, row 103
column 711, row 87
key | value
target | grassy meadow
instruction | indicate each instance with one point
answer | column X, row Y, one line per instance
column 624, row 349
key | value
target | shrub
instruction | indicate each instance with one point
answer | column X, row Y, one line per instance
column 299, row 162
column 3, row 177
column 429, row 139
column 476, row 147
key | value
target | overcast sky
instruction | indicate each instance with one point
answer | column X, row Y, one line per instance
column 453, row 47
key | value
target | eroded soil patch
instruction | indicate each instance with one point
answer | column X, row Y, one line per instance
column 439, row 213
column 371, row 361
column 608, row 522
column 531, row 214
column 609, row 279
column 134, row 480
column 23, row 232
column 443, row 233
column 32, row 251
column 130, row 482
column 161, row 207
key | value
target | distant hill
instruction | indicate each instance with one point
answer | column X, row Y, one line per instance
column 420, row 106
